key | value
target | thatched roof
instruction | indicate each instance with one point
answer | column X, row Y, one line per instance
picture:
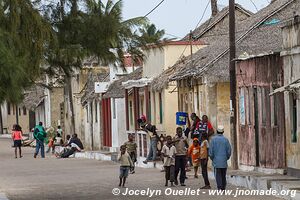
column 162, row 80
column 116, row 90
column 261, row 33
column 212, row 28
column 33, row 97
column 89, row 92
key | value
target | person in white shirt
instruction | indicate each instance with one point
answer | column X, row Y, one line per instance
column 168, row 152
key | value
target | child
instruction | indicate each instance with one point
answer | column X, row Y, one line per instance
column 131, row 149
column 204, row 160
column 168, row 152
column 126, row 163
column 194, row 152
column 17, row 138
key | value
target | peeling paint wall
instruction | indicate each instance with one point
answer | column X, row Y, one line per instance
column 291, row 60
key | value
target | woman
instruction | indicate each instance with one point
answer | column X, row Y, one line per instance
column 17, row 138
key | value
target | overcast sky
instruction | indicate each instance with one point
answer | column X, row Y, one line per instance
column 178, row 17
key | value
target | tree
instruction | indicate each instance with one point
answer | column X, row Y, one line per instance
column 97, row 31
column 22, row 47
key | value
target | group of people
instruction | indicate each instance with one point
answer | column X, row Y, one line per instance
column 64, row 149
column 176, row 152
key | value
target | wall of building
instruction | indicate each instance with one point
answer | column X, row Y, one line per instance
column 56, row 98
column 155, row 62
column 261, row 116
column 291, row 63
column 10, row 119
column 119, row 135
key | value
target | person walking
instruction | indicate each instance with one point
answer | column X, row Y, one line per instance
column 17, row 138
column 220, row 152
column 131, row 147
column 204, row 159
column 181, row 146
column 125, row 165
column 168, row 153
column 194, row 153
column 39, row 135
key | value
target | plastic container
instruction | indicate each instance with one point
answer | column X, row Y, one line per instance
column 181, row 118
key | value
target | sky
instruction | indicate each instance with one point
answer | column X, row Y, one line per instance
column 178, row 17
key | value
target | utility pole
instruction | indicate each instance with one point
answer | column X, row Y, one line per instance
column 233, row 111
column 191, row 43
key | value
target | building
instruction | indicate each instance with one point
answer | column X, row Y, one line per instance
column 291, row 65
column 261, row 119
column 199, row 90
column 114, row 117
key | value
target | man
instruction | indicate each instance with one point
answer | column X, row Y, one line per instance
column 220, row 152
column 39, row 135
column 151, row 130
column 194, row 128
column 181, row 146
column 76, row 146
column 205, row 127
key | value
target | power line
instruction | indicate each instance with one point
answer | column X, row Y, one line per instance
column 154, row 8
column 254, row 5
column 203, row 14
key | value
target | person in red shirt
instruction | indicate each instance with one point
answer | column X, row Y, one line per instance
column 17, row 138
column 210, row 129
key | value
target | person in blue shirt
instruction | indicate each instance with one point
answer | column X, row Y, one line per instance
column 219, row 153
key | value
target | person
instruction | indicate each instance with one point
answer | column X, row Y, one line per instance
column 151, row 130
column 131, row 147
column 181, row 146
column 168, row 153
column 205, row 126
column 75, row 145
column 125, row 165
column 194, row 128
column 194, row 153
column 39, row 135
column 204, row 159
column 220, row 152
column 64, row 147
column 59, row 130
column 56, row 141
column 17, row 138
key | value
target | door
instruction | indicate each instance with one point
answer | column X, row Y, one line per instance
column 256, row 126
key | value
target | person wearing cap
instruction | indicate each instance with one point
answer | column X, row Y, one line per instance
column 219, row 153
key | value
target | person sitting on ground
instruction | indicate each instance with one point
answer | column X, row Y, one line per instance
column 194, row 152
column 125, row 165
column 59, row 151
column 131, row 147
column 76, row 146
column 17, row 138
column 168, row 153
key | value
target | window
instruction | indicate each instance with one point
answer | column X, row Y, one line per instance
column 96, row 111
column 114, row 108
column 14, row 109
column 294, row 117
column 8, row 108
column 142, row 106
column 181, row 102
column 130, row 113
column 24, row 111
column 160, row 108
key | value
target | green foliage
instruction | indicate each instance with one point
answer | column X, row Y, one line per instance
column 25, row 36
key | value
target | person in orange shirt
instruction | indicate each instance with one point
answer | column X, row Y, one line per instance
column 194, row 152
column 17, row 138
